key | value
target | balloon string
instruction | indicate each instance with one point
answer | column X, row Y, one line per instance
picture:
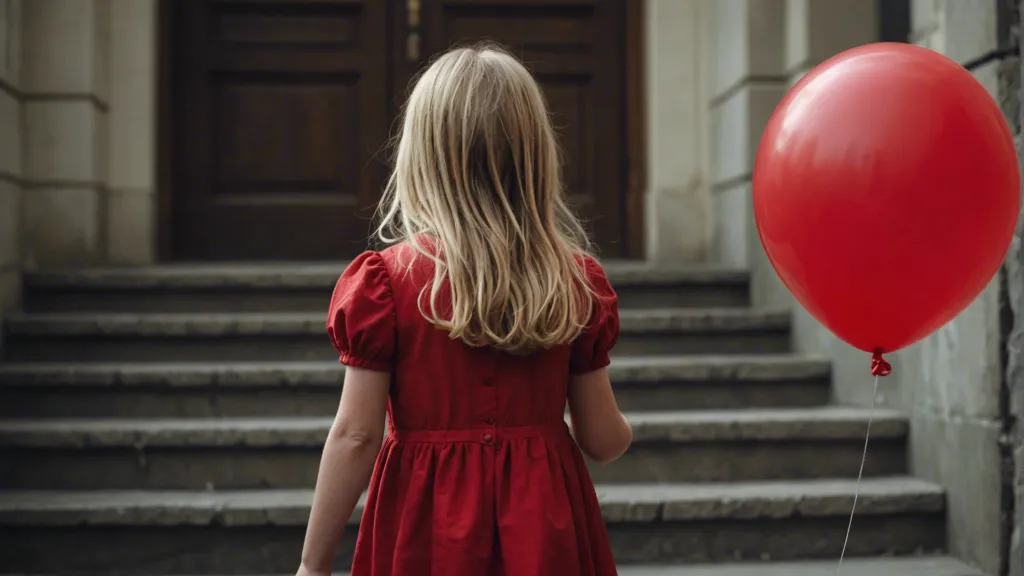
column 863, row 459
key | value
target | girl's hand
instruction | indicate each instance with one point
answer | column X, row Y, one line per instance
column 303, row 571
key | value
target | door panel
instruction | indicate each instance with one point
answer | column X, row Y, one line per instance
column 283, row 110
column 575, row 48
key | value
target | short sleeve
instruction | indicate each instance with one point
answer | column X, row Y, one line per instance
column 361, row 320
column 591, row 348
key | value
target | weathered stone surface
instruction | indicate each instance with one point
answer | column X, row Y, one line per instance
column 918, row 566
column 963, row 454
column 710, row 320
column 924, row 566
column 641, row 503
column 139, row 434
column 287, row 324
column 756, row 368
column 257, row 276
column 166, row 325
column 168, row 508
column 752, row 425
column 766, row 369
column 260, row 388
column 676, row 427
column 651, row 503
column 173, row 374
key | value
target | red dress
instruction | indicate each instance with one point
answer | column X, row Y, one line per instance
column 478, row 475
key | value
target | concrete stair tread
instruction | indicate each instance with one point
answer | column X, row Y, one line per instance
column 646, row 321
column 764, row 368
column 824, row 423
column 637, row 503
column 914, row 566
column 919, row 566
column 287, row 275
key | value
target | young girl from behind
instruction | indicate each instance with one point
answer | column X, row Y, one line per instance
column 469, row 334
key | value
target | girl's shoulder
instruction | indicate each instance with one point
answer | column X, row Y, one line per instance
column 596, row 276
column 361, row 319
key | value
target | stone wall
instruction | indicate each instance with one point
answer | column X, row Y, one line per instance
column 11, row 125
column 132, row 172
column 1014, row 329
column 747, row 81
column 65, row 98
column 951, row 383
column 679, row 221
column 77, row 155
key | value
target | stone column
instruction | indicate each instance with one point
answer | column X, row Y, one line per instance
column 679, row 218
column 747, row 82
column 10, row 152
column 131, row 208
column 65, row 105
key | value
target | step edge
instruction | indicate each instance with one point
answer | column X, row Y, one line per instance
column 680, row 427
column 916, row 497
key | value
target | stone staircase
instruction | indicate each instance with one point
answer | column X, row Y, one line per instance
column 169, row 420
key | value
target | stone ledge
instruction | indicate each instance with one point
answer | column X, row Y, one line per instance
column 815, row 424
column 703, row 320
column 313, row 324
column 766, row 369
column 917, row 566
column 633, row 504
column 316, row 276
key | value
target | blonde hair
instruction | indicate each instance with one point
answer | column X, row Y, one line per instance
column 477, row 173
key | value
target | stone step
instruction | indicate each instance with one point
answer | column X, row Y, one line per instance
column 189, row 390
column 915, row 566
column 244, row 453
column 302, row 336
column 912, row 566
column 307, row 287
column 261, row 531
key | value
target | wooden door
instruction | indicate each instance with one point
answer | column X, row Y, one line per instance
column 576, row 50
column 281, row 112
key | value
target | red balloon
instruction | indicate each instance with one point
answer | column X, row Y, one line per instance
column 886, row 193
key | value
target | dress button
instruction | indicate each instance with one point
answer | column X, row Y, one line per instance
column 488, row 437
column 488, row 382
column 490, row 421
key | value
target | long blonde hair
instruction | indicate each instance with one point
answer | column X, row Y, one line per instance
column 477, row 172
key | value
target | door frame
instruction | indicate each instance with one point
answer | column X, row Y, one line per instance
column 635, row 119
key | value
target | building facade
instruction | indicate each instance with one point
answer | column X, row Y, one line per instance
column 127, row 132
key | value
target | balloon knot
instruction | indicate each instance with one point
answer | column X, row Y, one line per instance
column 879, row 367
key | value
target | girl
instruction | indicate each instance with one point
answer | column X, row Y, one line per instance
column 470, row 333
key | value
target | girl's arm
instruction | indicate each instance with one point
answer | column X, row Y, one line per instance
column 349, row 455
column 601, row 431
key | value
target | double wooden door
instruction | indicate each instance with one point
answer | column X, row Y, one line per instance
column 282, row 112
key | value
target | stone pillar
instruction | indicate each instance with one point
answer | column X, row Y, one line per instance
column 10, row 152
column 65, row 105
column 747, row 80
column 679, row 219
column 131, row 207
column 955, row 397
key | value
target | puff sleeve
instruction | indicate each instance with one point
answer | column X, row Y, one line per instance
column 591, row 348
column 361, row 321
